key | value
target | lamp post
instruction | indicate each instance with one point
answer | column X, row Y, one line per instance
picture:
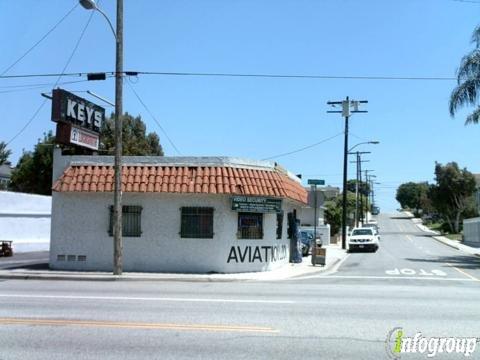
column 117, row 190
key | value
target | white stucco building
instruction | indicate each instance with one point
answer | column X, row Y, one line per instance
column 181, row 214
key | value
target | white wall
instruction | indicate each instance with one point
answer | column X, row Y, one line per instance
column 25, row 219
column 80, row 227
column 471, row 231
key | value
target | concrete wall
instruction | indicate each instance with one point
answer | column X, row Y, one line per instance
column 80, row 227
column 25, row 219
column 471, row 231
column 307, row 216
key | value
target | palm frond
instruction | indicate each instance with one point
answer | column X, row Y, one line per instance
column 464, row 94
column 474, row 117
column 469, row 66
column 476, row 36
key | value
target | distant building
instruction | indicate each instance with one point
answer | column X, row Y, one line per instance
column 5, row 175
column 180, row 214
column 323, row 194
column 477, row 192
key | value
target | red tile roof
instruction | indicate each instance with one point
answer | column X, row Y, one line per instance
column 182, row 179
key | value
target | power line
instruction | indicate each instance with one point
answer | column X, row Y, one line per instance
column 297, row 76
column 31, row 87
column 39, row 41
column 56, row 82
column 240, row 75
column 153, row 117
column 303, row 148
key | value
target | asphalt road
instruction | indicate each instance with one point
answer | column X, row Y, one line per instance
column 412, row 282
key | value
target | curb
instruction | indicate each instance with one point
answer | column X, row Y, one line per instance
column 448, row 242
column 66, row 277
column 439, row 239
column 324, row 268
column 5, row 275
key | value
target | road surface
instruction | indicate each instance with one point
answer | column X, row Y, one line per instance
column 412, row 282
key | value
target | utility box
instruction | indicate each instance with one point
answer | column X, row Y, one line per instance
column 320, row 256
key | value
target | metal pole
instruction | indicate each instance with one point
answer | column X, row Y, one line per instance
column 345, row 157
column 117, row 197
column 361, row 192
column 314, row 248
column 356, row 192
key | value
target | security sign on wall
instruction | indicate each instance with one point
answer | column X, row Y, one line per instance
column 78, row 120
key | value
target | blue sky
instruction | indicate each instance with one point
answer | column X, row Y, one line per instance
column 257, row 117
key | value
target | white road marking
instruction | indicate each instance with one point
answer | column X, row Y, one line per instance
column 411, row 272
column 463, row 272
column 386, row 277
column 165, row 299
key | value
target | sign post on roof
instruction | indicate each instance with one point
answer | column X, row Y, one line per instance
column 78, row 120
column 256, row 204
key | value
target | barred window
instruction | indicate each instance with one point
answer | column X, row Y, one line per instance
column 279, row 224
column 131, row 219
column 197, row 222
column 250, row 226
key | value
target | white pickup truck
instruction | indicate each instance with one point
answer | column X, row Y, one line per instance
column 363, row 238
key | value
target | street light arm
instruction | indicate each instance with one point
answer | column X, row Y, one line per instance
column 362, row 143
column 108, row 20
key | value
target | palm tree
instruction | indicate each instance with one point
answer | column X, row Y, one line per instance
column 468, row 78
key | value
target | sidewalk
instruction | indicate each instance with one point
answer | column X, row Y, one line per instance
column 452, row 243
column 289, row 271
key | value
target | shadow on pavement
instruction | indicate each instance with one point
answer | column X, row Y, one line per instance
column 401, row 217
column 461, row 261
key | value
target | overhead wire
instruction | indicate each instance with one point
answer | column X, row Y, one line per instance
column 246, row 75
column 56, row 82
column 153, row 116
column 37, row 86
column 39, row 41
column 303, row 148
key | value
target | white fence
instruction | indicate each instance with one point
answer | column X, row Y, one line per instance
column 25, row 219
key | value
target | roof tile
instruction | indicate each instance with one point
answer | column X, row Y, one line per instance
column 207, row 180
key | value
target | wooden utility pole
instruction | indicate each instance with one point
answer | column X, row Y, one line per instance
column 117, row 197
column 346, row 104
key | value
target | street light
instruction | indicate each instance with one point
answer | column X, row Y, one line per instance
column 362, row 143
column 117, row 167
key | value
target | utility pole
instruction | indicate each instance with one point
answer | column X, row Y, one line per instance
column 368, row 180
column 117, row 197
column 117, row 164
column 346, row 113
column 358, row 162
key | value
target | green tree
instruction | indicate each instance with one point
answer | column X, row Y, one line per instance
column 4, row 153
column 33, row 173
column 363, row 187
column 412, row 195
column 136, row 141
column 334, row 210
column 468, row 82
column 452, row 194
